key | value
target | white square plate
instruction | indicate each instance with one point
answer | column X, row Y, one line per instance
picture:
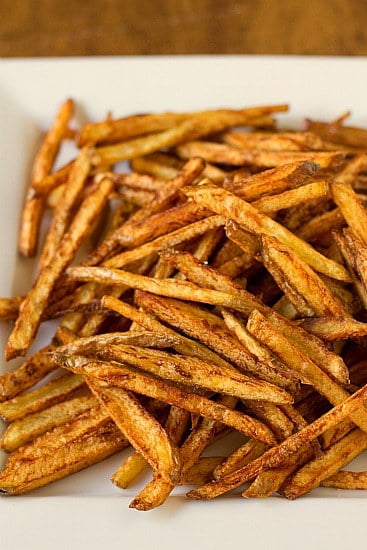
column 86, row 509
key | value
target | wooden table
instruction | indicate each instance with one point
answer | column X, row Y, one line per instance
column 140, row 27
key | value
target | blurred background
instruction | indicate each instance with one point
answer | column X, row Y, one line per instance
column 30, row 28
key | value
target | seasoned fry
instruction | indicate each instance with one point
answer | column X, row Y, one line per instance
column 87, row 440
column 281, row 453
column 63, row 209
column 234, row 156
column 226, row 204
column 29, row 318
column 315, row 471
column 335, row 328
column 32, row 425
column 346, row 480
column 146, row 385
column 299, row 282
column 36, row 400
column 9, row 307
column 33, row 209
column 219, row 294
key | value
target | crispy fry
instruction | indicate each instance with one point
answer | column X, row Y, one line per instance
column 146, row 385
column 339, row 455
column 351, row 208
column 181, row 369
column 27, row 375
column 32, row 425
column 225, row 203
column 9, row 307
column 281, row 453
column 306, row 193
column 234, row 156
column 89, row 439
column 346, row 480
column 140, row 428
column 33, row 209
column 299, row 282
column 278, row 141
column 211, row 330
column 63, row 209
column 334, row 328
column 39, row 399
column 29, row 318
column 191, row 128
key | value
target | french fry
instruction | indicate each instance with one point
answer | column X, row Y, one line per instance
column 299, row 282
column 335, row 328
column 9, row 307
column 202, row 471
column 63, row 209
column 140, row 428
column 307, row 370
column 278, row 141
column 226, row 204
column 51, row 393
column 146, row 385
column 234, row 156
column 351, row 208
column 211, row 330
column 191, row 128
column 32, row 425
column 29, row 318
column 186, row 346
column 27, row 375
column 280, row 454
column 70, row 448
column 346, row 480
column 312, row 473
column 321, row 224
column 33, row 209
column 337, row 133
column 245, row 454
column 181, row 369
column 273, row 181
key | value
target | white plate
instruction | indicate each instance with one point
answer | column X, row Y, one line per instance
column 86, row 508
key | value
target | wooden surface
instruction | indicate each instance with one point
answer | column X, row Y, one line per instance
column 128, row 27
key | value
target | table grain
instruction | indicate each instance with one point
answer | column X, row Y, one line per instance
column 30, row 28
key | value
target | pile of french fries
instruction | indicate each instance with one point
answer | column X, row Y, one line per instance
column 220, row 286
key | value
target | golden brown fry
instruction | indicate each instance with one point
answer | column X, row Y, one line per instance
column 211, row 330
column 335, row 328
column 202, row 471
column 346, row 480
column 32, row 425
column 9, row 307
column 181, row 369
column 245, row 454
column 351, row 208
column 191, row 128
column 320, row 225
column 33, row 209
column 112, row 130
column 64, row 208
column 29, row 318
column 54, row 455
column 140, row 428
column 299, row 282
column 27, row 375
column 235, row 156
column 293, row 197
column 273, row 181
column 269, row 141
column 283, row 452
column 337, row 133
column 54, row 180
column 315, row 471
column 169, row 239
column 141, row 383
column 41, row 398
column 226, row 204
column 185, row 346
column 129, row 470
column 201, row 436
